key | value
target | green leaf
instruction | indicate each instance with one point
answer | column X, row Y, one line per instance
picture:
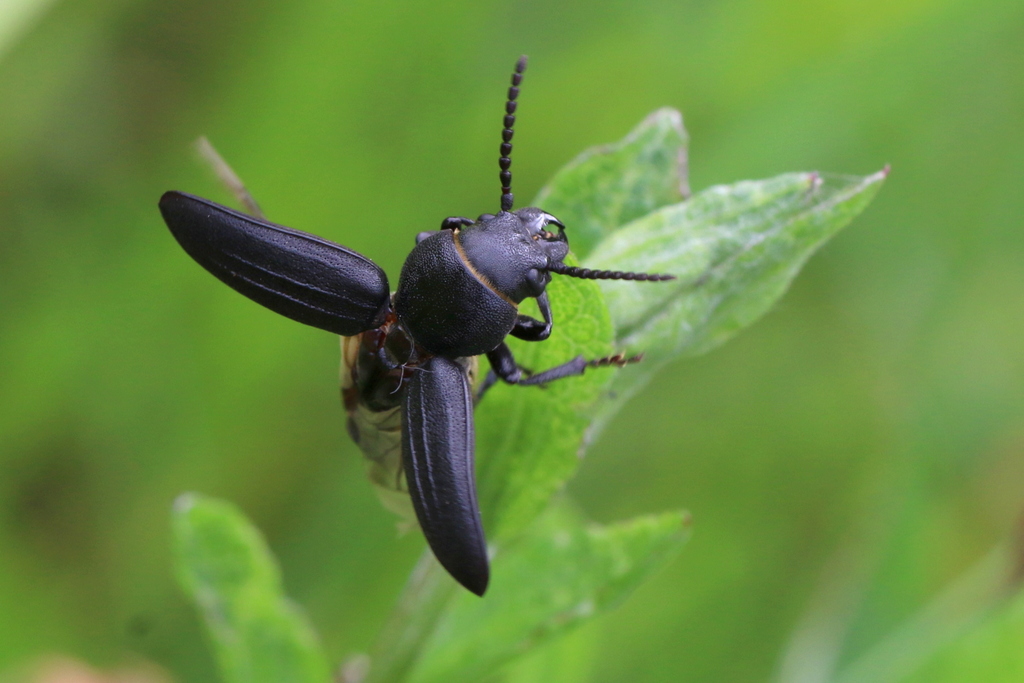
column 556, row 576
column 569, row 658
column 528, row 438
column 609, row 186
column 735, row 249
column 226, row 568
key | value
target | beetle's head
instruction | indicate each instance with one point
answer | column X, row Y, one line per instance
column 515, row 252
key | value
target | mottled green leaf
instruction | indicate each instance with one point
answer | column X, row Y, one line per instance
column 606, row 187
column 560, row 573
column 735, row 249
column 528, row 438
column 226, row 568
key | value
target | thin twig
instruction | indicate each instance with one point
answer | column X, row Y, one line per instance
column 227, row 176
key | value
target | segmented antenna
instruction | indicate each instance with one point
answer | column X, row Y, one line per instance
column 505, row 160
column 588, row 274
column 619, row 360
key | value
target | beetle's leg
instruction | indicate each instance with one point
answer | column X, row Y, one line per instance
column 571, row 368
column 454, row 222
column 505, row 368
column 578, row 365
column 503, row 364
column 531, row 329
column 450, row 223
column 490, row 379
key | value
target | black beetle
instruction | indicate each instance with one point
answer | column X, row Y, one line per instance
column 457, row 298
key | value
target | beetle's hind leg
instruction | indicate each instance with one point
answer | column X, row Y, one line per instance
column 504, row 367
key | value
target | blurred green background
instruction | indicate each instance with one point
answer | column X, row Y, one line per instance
column 865, row 441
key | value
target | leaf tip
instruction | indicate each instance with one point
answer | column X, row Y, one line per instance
column 878, row 176
column 672, row 116
column 814, row 181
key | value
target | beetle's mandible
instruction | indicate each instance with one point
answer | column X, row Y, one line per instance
column 409, row 357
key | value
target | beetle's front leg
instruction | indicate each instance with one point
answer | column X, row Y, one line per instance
column 450, row 223
column 531, row 329
column 455, row 222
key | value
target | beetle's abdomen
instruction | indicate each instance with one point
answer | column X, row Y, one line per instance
column 449, row 310
column 373, row 400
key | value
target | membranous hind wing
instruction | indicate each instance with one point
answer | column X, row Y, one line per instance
column 301, row 276
column 437, row 451
column 375, row 425
column 374, row 397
